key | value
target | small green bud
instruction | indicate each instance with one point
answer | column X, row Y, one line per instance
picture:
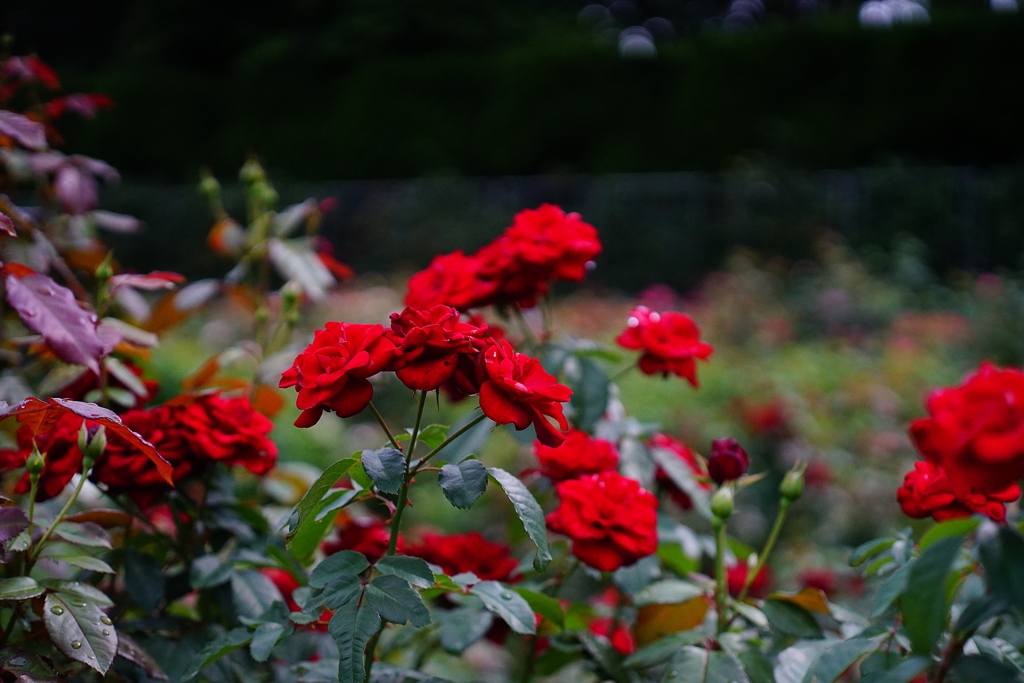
column 290, row 294
column 251, row 171
column 722, row 503
column 266, row 194
column 92, row 441
column 209, row 186
column 792, row 486
column 261, row 315
column 36, row 462
column 104, row 271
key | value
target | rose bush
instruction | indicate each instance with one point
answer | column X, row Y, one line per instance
column 151, row 533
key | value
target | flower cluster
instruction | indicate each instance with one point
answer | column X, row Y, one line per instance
column 973, row 447
column 426, row 349
column 541, row 246
column 670, row 343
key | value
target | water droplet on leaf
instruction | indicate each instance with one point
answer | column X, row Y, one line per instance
column 77, row 644
column 57, row 610
column 506, row 595
column 106, row 632
column 106, row 620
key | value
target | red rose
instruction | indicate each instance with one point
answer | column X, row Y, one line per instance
column 431, row 344
column 680, row 497
column 727, row 460
column 579, row 454
column 331, row 373
column 459, row 553
column 928, row 490
column 63, row 459
column 228, row 430
column 123, row 468
column 367, row 536
column 452, row 280
column 736, row 578
column 976, row 431
column 670, row 342
column 621, row 639
column 611, row 520
column 518, row 391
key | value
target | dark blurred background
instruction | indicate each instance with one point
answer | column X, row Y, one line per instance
column 693, row 125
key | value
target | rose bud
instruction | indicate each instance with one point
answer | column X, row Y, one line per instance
column 722, row 503
column 792, row 486
column 727, row 461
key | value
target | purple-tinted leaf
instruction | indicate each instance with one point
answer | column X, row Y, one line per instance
column 12, row 522
column 116, row 222
column 196, row 294
column 26, row 131
column 151, row 282
column 89, row 411
column 47, row 162
column 76, row 190
column 134, row 653
column 110, row 336
column 7, row 225
column 51, row 310
column 95, row 167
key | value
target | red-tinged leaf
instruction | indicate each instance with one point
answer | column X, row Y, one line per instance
column 41, row 416
column 151, row 282
column 7, row 225
column 108, row 519
column 51, row 310
column 17, row 269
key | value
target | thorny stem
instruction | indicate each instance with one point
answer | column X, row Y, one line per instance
column 949, row 656
column 384, row 426
column 762, row 559
column 721, row 587
column 403, row 493
column 459, row 432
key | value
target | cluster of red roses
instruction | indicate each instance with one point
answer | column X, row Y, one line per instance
column 542, row 245
column 973, row 448
column 427, row 349
column 189, row 432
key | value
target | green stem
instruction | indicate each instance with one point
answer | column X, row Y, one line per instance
column 459, row 432
column 384, row 426
column 34, row 553
column 721, row 585
column 34, row 479
column 15, row 611
column 762, row 559
column 622, row 372
column 403, row 493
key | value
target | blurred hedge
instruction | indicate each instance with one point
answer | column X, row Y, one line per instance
column 470, row 88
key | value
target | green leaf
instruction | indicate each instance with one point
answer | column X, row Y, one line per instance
column 359, row 476
column 669, row 592
column 82, row 590
column 698, row 665
column 231, row 641
column 544, row 605
column 397, row 601
column 19, row 588
column 796, row 664
column 905, row 671
column 756, row 666
column 507, row 604
column 144, row 580
column 73, row 555
column 791, row 618
column 463, row 626
column 1011, row 653
column 80, row 630
column 982, row 669
column 352, row 626
column 265, row 638
column 663, row 649
column 866, row 551
column 589, row 394
column 948, row 529
column 891, row 589
column 209, row 571
column 338, row 592
column 433, row 436
column 327, row 479
column 13, row 522
column 979, row 611
column 252, row 593
column 838, row 658
column 334, row 501
column 682, row 476
column 128, row 649
column 386, row 467
column 463, row 484
column 342, row 563
column 1002, row 556
column 89, row 534
column 923, row 603
column 529, row 513
column 412, row 569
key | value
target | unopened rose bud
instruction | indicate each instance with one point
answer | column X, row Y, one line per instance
column 104, row 271
column 36, row 462
column 722, row 503
column 290, row 294
column 251, row 171
column 727, row 461
column 92, row 441
column 792, row 486
column 209, row 186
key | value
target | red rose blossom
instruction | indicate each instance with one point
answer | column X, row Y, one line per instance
column 431, row 344
column 63, row 458
column 459, row 553
column 976, row 431
column 611, row 520
column 331, row 373
column 736, row 578
column 670, row 342
column 228, row 430
column 727, row 460
column 368, row 536
column 451, row 280
column 621, row 639
column 680, row 497
column 928, row 490
column 519, row 391
column 579, row 454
